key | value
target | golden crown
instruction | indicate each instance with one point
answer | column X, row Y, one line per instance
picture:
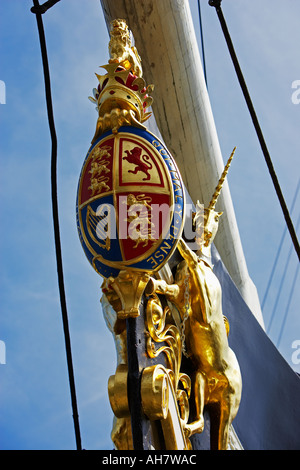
column 122, row 96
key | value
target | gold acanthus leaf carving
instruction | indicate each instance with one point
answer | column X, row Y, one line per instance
column 160, row 329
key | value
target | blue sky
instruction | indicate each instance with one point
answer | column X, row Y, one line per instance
column 35, row 409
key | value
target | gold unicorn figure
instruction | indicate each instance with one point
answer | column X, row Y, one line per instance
column 216, row 377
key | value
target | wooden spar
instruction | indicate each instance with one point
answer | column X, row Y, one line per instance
column 164, row 35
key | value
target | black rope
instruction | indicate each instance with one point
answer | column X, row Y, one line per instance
column 44, row 7
column 217, row 5
column 38, row 10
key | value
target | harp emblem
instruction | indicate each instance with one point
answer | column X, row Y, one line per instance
column 99, row 224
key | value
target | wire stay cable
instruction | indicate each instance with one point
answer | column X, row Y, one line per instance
column 279, row 249
column 217, row 5
column 38, row 10
column 281, row 283
column 288, row 305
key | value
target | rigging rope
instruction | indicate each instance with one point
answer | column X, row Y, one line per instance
column 279, row 248
column 38, row 10
column 217, row 5
column 288, row 305
column 281, row 283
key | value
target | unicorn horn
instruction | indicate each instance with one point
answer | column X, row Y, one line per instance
column 220, row 183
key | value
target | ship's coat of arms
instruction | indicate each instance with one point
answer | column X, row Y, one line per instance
column 130, row 202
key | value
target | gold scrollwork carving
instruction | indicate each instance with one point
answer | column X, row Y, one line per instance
column 121, row 433
column 160, row 402
column 117, row 392
column 125, row 292
column 165, row 391
column 155, row 392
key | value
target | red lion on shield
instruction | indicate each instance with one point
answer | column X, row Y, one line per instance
column 141, row 162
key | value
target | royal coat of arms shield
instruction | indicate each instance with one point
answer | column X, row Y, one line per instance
column 130, row 202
